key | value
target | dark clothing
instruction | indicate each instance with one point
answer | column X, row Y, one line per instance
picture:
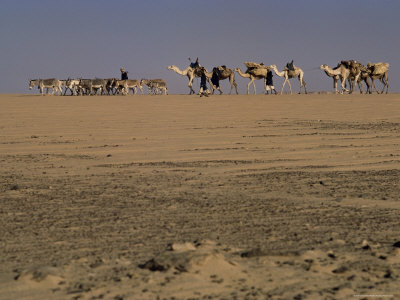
column 124, row 75
column 195, row 64
column 203, row 81
column 290, row 66
column 215, row 77
column 269, row 78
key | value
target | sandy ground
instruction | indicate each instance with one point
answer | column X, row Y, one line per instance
column 182, row 197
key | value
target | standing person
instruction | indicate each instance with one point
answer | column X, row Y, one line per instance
column 269, row 82
column 124, row 74
column 203, row 83
column 215, row 79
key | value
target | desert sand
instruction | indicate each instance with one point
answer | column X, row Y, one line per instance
column 182, row 197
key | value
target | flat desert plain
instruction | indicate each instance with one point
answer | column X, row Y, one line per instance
column 182, row 197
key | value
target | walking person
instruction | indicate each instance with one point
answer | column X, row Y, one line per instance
column 269, row 84
column 215, row 80
column 203, row 83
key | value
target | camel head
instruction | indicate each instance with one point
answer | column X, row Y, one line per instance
column 272, row 67
column 171, row 67
column 323, row 67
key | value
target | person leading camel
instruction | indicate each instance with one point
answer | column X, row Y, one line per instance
column 215, row 79
column 269, row 83
column 203, row 83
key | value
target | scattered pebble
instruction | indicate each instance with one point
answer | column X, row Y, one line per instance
column 14, row 187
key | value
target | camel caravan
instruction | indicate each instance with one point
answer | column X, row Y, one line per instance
column 350, row 73
column 347, row 71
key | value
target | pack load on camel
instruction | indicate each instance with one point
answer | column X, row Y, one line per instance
column 290, row 66
column 378, row 68
column 195, row 64
column 255, row 69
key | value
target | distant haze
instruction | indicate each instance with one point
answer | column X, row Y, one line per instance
column 94, row 38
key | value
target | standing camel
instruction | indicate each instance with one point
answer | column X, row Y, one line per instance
column 379, row 71
column 223, row 74
column 340, row 72
column 252, row 77
column 355, row 73
column 189, row 72
column 364, row 76
column 288, row 74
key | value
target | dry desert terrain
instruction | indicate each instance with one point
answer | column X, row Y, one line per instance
column 182, row 197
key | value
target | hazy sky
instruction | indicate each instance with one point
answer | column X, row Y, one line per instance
column 94, row 38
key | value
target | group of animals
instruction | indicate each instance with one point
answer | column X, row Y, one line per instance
column 354, row 72
column 111, row 86
column 347, row 71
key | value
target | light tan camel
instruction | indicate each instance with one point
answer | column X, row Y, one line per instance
column 355, row 72
column 288, row 74
column 224, row 73
column 339, row 73
column 379, row 71
column 189, row 72
column 252, row 78
column 364, row 76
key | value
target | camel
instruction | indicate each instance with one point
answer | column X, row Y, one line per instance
column 288, row 74
column 355, row 72
column 340, row 72
column 224, row 73
column 189, row 72
column 379, row 71
column 364, row 76
column 252, row 76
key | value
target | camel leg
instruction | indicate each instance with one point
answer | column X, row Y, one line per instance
column 343, row 86
column 265, row 86
column 368, row 86
column 248, row 87
column 385, row 83
column 236, row 87
column 351, row 86
column 356, row 81
column 360, row 87
column 254, row 86
column 212, row 87
column 290, row 87
column 283, row 85
column 335, row 85
column 190, row 85
column 305, row 89
column 302, row 84
column 373, row 85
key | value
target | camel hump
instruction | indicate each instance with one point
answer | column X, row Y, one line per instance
column 222, row 68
